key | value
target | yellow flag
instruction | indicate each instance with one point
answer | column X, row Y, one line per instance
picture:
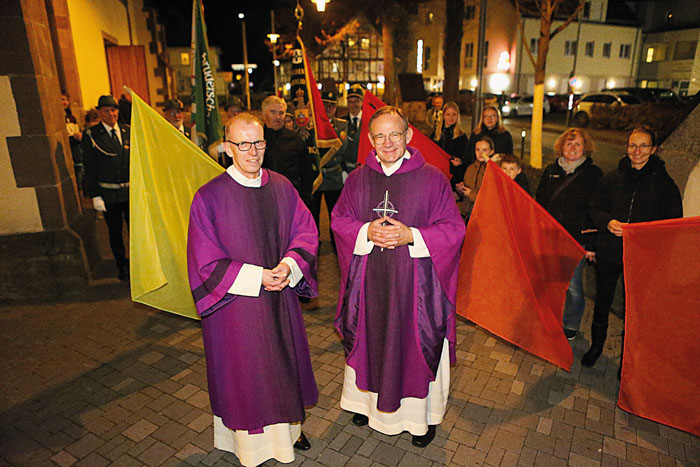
column 166, row 171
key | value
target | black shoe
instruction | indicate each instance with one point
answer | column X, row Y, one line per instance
column 570, row 334
column 360, row 420
column 304, row 300
column 123, row 273
column 590, row 357
column 423, row 441
column 302, row 443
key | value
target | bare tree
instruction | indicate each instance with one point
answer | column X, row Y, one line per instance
column 546, row 11
column 452, row 47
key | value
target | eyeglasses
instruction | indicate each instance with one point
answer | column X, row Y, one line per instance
column 394, row 137
column 634, row 147
column 247, row 145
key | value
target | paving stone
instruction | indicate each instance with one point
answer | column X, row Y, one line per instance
column 386, row 454
column 140, row 430
column 332, row 458
column 63, row 459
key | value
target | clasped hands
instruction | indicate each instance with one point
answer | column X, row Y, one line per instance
column 276, row 279
column 394, row 234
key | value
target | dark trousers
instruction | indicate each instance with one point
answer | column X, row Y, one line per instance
column 331, row 198
column 607, row 274
column 113, row 216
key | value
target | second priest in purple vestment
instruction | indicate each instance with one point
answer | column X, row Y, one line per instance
column 399, row 234
column 252, row 246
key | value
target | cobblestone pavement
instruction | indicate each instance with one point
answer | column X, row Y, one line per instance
column 116, row 383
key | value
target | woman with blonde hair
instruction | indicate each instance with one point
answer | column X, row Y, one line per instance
column 450, row 136
column 491, row 125
column 566, row 188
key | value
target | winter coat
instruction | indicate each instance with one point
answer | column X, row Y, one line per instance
column 455, row 147
column 630, row 195
column 570, row 206
column 503, row 143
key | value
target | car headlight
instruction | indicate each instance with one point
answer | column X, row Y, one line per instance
column 505, row 109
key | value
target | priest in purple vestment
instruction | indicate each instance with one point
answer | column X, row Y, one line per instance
column 251, row 251
column 399, row 235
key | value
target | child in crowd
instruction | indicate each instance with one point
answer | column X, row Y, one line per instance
column 474, row 176
column 510, row 164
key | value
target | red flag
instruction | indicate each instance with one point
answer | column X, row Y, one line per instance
column 432, row 153
column 323, row 129
column 660, row 374
column 516, row 265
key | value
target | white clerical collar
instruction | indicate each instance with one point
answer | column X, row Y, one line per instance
column 389, row 171
column 181, row 128
column 110, row 128
column 243, row 180
column 358, row 116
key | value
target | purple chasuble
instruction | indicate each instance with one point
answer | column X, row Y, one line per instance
column 394, row 311
column 258, row 365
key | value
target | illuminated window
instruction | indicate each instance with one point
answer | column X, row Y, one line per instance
column 650, row 54
column 185, row 58
column 419, row 56
column 364, row 43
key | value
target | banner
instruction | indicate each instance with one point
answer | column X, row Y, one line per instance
column 432, row 153
column 207, row 130
column 166, row 170
column 516, row 265
column 325, row 136
column 660, row 374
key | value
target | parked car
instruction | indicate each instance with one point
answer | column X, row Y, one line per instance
column 560, row 102
column 654, row 95
column 521, row 105
column 604, row 101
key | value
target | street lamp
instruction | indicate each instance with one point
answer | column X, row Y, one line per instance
column 273, row 40
column 320, row 4
column 241, row 16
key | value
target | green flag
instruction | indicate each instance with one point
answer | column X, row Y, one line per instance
column 206, row 122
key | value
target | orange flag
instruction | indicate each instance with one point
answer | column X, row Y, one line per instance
column 516, row 265
column 432, row 153
column 660, row 373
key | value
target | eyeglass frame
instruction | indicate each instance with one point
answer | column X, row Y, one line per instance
column 252, row 143
column 634, row 147
column 394, row 139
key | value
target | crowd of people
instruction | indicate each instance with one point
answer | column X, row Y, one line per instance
column 397, row 225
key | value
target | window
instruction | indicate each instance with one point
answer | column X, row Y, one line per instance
column 534, row 46
column 426, row 55
column 606, row 49
column 650, row 55
column 587, row 10
column 429, row 18
column 469, row 12
column 625, row 50
column 486, row 54
column 590, row 46
column 185, row 58
column 570, row 48
column 684, row 50
column 468, row 55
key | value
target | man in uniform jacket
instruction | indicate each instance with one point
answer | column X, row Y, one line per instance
column 106, row 158
column 173, row 114
column 332, row 183
column 355, row 96
column 286, row 152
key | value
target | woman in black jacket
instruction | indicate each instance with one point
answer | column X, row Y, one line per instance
column 565, row 190
column 451, row 138
column 639, row 190
column 491, row 125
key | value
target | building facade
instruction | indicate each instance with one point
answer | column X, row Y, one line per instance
column 670, row 55
column 180, row 62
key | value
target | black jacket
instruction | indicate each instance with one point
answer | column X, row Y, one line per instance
column 570, row 206
column 455, row 147
column 106, row 161
column 288, row 155
column 630, row 195
column 503, row 143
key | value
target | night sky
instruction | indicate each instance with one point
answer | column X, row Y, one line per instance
column 224, row 29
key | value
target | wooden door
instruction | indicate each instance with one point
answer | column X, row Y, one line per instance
column 127, row 67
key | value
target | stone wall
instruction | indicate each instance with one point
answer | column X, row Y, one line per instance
column 681, row 151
